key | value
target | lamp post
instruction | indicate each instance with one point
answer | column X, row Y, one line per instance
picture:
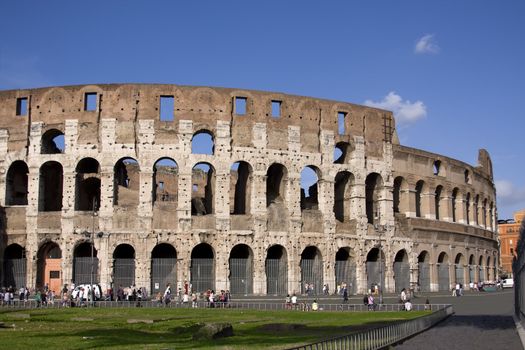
column 93, row 215
column 380, row 229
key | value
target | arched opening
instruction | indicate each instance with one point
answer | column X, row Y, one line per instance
column 345, row 269
column 203, row 189
column 489, row 274
column 443, row 272
column 87, row 196
column 491, row 216
column 85, row 269
column 165, row 181
column 202, row 268
column 423, row 261
column 311, row 271
column 123, row 266
column 437, row 167
column 373, row 187
column 481, row 267
column 277, row 210
column 16, row 184
column 49, row 258
column 454, row 204
column 52, row 142
column 50, row 187
column 401, row 271
column 202, row 143
column 241, row 270
column 342, row 152
column 437, row 201
column 163, row 267
column 459, row 264
column 309, row 188
column 484, row 213
column 241, row 181
column 471, row 268
column 400, row 196
column 14, row 266
column 467, row 205
column 276, row 267
column 342, row 194
column 276, row 178
column 126, row 183
column 476, row 210
column 419, row 190
column 375, row 269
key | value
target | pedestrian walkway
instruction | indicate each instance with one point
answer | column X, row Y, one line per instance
column 481, row 321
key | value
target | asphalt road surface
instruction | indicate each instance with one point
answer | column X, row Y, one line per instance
column 481, row 321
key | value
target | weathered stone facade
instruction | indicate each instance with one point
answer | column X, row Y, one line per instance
column 250, row 228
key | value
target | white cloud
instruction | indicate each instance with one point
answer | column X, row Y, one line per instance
column 508, row 193
column 405, row 112
column 426, row 44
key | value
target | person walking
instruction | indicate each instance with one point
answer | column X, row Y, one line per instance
column 345, row 295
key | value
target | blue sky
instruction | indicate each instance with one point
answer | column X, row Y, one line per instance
column 452, row 71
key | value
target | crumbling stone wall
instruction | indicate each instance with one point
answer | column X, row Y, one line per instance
column 384, row 193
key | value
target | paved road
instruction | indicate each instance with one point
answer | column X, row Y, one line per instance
column 481, row 321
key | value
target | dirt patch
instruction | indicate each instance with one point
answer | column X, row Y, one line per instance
column 281, row 327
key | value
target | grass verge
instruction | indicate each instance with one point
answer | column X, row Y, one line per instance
column 108, row 328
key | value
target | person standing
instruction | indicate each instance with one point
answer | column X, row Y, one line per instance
column 167, row 294
column 294, row 301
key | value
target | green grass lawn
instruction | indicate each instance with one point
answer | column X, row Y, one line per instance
column 108, row 328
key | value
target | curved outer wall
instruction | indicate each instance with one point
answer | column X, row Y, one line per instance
column 378, row 195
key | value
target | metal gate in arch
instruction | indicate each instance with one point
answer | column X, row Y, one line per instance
column 401, row 275
column 202, row 274
column 241, row 276
column 163, row 271
column 443, row 277
column 481, row 274
column 123, row 272
column 276, row 277
column 375, row 274
column 82, row 270
column 459, row 274
column 345, row 272
column 312, row 273
column 15, row 273
column 424, row 277
column 471, row 273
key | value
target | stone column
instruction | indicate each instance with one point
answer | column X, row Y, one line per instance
column 428, row 210
column 445, row 205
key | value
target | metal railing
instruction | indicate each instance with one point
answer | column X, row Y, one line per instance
column 262, row 306
column 518, row 271
column 381, row 337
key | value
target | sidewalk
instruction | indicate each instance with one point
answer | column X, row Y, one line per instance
column 481, row 321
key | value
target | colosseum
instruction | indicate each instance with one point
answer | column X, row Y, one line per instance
column 253, row 192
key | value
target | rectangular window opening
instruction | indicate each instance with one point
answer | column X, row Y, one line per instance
column 276, row 109
column 21, row 106
column 161, row 185
column 341, row 116
column 167, row 108
column 90, row 101
column 240, row 105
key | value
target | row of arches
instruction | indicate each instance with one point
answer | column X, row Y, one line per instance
column 165, row 187
column 423, row 201
column 202, row 142
column 164, row 260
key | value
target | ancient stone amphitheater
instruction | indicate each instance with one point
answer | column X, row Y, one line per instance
column 255, row 192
